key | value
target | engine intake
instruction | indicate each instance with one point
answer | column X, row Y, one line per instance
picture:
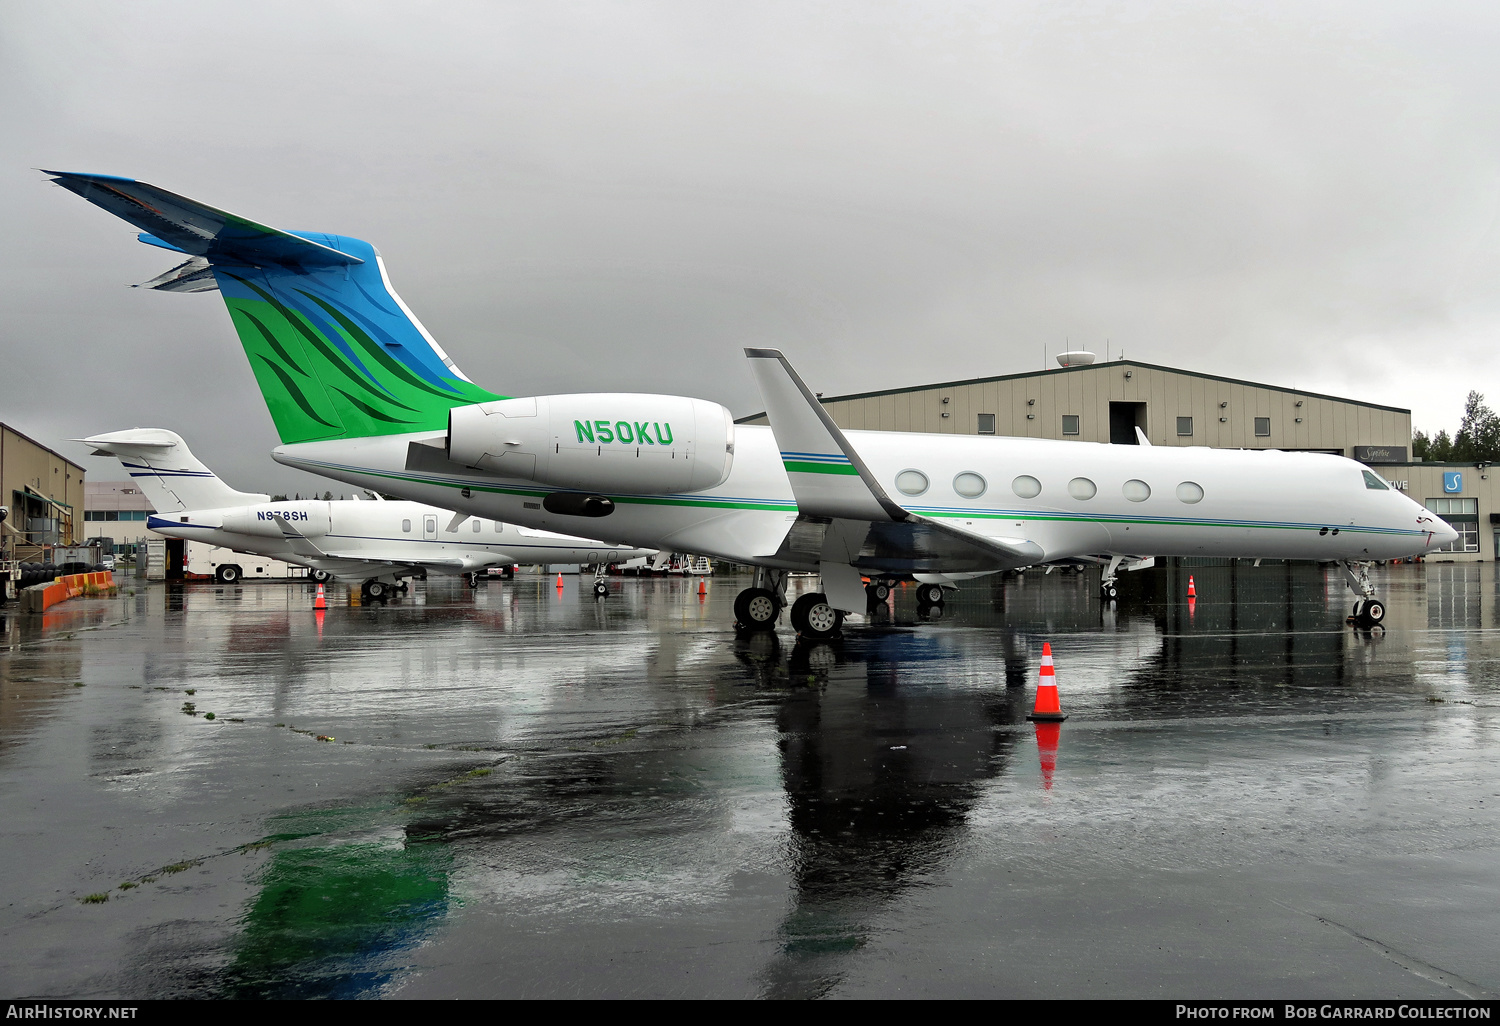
column 598, row 442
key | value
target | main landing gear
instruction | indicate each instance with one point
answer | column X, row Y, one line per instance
column 1369, row 611
column 377, row 590
column 930, row 599
column 813, row 617
column 757, row 608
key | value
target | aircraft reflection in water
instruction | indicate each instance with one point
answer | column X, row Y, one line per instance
column 1273, row 626
column 342, row 896
column 885, row 744
column 880, row 778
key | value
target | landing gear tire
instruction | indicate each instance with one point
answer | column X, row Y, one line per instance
column 321, row 576
column 813, row 617
column 929, row 595
column 403, row 587
column 601, row 590
column 377, row 591
column 472, row 580
column 229, row 574
column 1108, row 592
column 756, row 609
column 1368, row 613
column 877, row 592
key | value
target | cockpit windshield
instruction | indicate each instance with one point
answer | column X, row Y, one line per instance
column 1371, row 481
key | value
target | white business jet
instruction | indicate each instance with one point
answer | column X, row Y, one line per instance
column 359, row 391
column 378, row 543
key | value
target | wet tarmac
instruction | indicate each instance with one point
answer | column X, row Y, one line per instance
column 531, row 793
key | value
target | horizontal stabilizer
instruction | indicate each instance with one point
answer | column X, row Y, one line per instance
column 192, row 275
column 197, row 228
column 166, row 471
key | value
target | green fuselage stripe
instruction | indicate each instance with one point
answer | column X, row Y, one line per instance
column 798, row 467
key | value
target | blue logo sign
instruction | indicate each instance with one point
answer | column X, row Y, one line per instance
column 1453, row 481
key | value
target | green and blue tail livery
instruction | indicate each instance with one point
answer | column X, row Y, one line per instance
column 335, row 351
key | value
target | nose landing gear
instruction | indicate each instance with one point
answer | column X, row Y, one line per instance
column 1369, row 611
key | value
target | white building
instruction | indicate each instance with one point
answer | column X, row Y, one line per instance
column 115, row 510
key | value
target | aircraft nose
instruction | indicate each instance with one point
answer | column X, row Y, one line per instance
column 1445, row 534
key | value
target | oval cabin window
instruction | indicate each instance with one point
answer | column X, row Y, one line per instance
column 1190, row 492
column 1082, row 488
column 911, row 482
column 969, row 485
column 406, row 526
column 1026, row 486
column 1137, row 491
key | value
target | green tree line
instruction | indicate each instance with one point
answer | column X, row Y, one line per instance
column 1477, row 440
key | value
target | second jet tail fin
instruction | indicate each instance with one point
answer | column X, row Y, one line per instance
column 167, row 472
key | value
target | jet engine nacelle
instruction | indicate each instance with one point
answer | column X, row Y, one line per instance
column 307, row 518
column 598, row 442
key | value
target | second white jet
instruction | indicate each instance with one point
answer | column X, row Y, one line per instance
column 378, row 543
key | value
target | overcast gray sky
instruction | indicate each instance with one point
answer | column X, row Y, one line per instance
column 601, row 196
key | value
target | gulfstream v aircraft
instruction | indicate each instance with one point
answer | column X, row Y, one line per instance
column 360, row 392
column 378, row 543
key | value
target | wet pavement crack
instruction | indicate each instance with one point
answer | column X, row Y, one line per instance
column 1413, row 965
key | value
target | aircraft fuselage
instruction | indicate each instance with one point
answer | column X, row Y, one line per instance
column 1145, row 501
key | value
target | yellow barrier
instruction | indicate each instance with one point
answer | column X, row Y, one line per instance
column 71, row 586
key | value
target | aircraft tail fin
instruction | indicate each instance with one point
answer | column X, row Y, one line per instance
column 167, row 472
column 335, row 351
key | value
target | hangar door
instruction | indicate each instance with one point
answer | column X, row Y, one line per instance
column 1124, row 418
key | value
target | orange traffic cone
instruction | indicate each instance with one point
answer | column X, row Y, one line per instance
column 322, row 601
column 1046, row 748
column 702, row 588
column 1047, row 710
column 1192, row 591
column 559, row 582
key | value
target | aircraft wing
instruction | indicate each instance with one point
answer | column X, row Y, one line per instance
column 362, row 564
column 296, row 540
column 920, row 545
column 845, row 518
